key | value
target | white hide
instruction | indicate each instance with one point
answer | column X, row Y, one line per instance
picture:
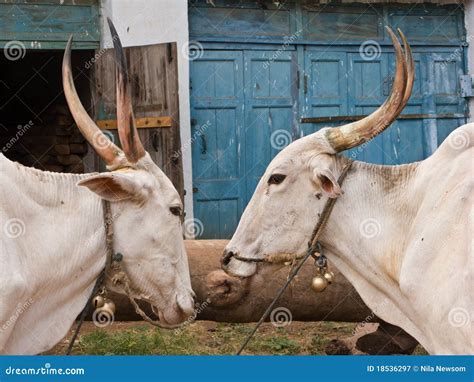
column 52, row 249
column 402, row 235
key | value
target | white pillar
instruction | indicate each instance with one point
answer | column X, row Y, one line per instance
column 146, row 22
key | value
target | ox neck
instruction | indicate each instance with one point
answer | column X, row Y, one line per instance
column 61, row 251
column 372, row 220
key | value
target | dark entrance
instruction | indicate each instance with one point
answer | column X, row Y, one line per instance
column 36, row 127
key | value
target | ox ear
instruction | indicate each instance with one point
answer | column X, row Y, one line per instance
column 325, row 179
column 114, row 186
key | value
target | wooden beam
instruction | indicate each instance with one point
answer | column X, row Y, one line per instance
column 234, row 299
column 142, row 123
column 350, row 118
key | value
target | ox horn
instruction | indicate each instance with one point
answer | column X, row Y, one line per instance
column 410, row 71
column 129, row 138
column 359, row 132
column 105, row 148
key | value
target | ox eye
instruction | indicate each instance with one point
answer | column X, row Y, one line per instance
column 176, row 211
column 276, row 178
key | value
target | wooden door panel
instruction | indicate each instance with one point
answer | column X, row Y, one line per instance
column 348, row 84
column 217, row 98
column 153, row 73
column 271, row 92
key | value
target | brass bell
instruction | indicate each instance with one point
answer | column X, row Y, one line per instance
column 329, row 276
column 109, row 306
column 318, row 284
column 98, row 302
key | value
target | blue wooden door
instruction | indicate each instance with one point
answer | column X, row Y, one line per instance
column 325, row 85
column 443, row 69
column 246, row 107
column 304, row 59
column 243, row 112
column 217, row 98
column 270, row 110
column 341, row 83
column 345, row 83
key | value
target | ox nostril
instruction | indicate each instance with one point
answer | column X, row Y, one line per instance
column 227, row 256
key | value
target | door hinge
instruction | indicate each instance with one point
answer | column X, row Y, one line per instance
column 467, row 85
column 305, row 80
column 298, row 79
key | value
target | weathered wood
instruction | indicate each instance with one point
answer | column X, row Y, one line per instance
column 48, row 24
column 173, row 161
column 244, row 300
column 350, row 118
column 153, row 72
column 141, row 123
column 315, row 22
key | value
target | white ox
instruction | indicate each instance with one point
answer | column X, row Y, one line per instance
column 402, row 235
column 52, row 238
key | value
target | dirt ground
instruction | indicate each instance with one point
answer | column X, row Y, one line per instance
column 207, row 338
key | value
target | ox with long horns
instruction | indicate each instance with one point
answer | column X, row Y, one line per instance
column 402, row 235
column 50, row 267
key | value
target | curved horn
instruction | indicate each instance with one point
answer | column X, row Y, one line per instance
column 106, row 149
column 129, row 138
column 410, row 72
column 359, row 132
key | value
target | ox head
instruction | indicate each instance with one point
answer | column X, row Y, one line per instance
column 291, row 194
column 146, row 207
